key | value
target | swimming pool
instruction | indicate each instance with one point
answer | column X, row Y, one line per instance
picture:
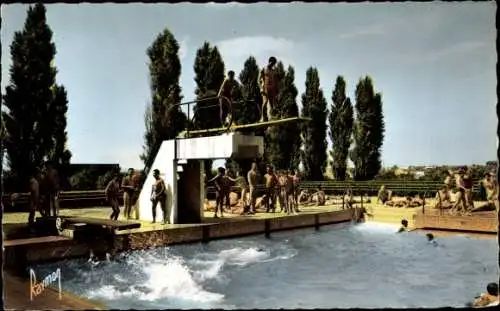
column 347, row 266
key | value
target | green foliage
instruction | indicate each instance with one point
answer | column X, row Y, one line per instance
column 369, row 131
column 83, row 180
column 60, row 153
column 163, row 118
column 91, row 179
column 272, row 152
column 247, row 110
column 103, row 180
column 31, row 111
column 287, row 136
column 341, row 121
column 209, row 75
column 314, row 132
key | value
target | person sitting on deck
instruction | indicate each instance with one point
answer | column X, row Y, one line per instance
column 490, row 298
column 226, row 97
column 112, row 192
column 404, row 226
column 219, row 191
column 398, row 202
column 242, row 184
column 319, row 197
column 384, row 195
column 304, row 196
column 227, row 183
column 490, row 184
column 443, row 199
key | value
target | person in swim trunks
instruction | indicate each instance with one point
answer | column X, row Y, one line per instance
column 218, row 181
column 271, row 183
column 112, row 192
column 226, row 97
column 252, row 177
column 268, row 83
column 159, row 195
column 128, row 192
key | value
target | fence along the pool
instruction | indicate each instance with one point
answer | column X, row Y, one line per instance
column 398, row 188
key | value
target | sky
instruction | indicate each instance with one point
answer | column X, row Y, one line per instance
column 434, row 64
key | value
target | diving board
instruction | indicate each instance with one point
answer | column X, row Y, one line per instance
column 233, row 128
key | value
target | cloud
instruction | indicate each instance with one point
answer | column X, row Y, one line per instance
column 372, row 30
column 459, row 48
column 236, row 50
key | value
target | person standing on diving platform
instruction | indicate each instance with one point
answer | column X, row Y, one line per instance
column 268, row 84
column 226, row 94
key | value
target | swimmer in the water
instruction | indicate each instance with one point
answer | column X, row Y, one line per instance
column 430, row 238
column 404, row 226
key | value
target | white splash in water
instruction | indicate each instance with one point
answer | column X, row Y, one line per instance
column 168, row 278
column 242, row 257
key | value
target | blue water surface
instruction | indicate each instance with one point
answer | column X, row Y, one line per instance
column 346, row 266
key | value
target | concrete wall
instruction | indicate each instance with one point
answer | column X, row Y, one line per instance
column 18, row 254
column 221, row 147
column 164, row 162
column 456, row 223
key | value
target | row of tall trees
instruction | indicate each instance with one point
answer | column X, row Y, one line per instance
column 34, row 105
column 358, row 137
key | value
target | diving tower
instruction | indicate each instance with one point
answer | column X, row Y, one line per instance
column 186, row 190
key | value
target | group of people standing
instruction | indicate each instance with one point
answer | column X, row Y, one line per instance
column 44, row 190
column 282, row 187
column 268, row 85
column 461, row 182
column 130, row 184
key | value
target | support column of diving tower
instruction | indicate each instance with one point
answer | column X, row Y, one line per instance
column 185, row 196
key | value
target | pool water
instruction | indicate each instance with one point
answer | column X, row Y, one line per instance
column 346, row 266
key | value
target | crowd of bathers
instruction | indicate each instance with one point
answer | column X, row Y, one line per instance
column 280, row 188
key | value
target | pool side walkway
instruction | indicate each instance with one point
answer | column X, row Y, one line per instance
column 17, row 297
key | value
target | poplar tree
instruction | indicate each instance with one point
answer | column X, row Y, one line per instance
column 29, row 116
column 341, row 121
column 163, row 118
column 209, row 74
column 368, row 131
column 314, row 132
